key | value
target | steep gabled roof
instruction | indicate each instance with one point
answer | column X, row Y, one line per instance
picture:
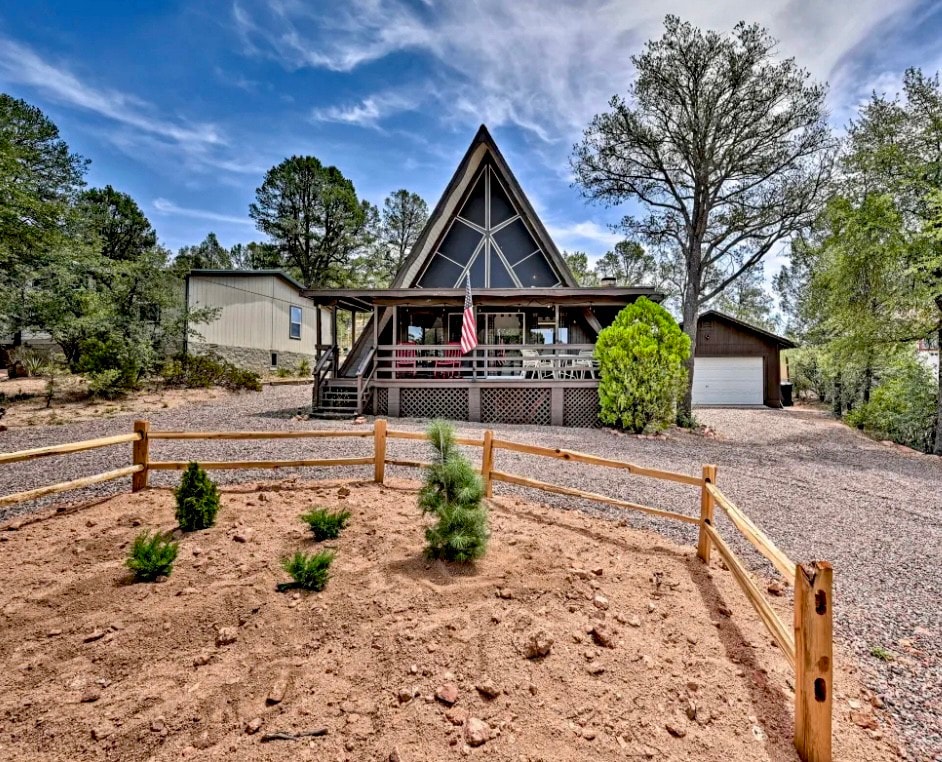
column 782, row 341
column 478, row 242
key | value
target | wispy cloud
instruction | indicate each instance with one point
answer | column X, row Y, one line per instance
column 580, row 236
column 21, row 65
column 165, row 207
column 369, row 111
column 510, row 64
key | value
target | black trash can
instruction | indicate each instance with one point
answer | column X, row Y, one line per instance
column 786, row 387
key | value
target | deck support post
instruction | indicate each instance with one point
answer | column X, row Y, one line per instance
column 707, row 505
column 139, row 455
column 487, row 462
column 379, row 450
column 814, row 661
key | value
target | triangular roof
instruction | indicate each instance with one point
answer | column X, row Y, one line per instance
column 484, row 222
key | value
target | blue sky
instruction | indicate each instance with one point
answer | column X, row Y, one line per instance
column 184, row 105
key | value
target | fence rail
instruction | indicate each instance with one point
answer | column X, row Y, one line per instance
column 808, row 646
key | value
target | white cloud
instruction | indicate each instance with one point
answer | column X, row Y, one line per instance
column 20, row 65
column 368, row 112
column 546, row 71
column 580, row 236
column 165, row 207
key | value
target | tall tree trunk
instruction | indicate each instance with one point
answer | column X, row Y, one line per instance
column 837, row 403
column 937, row 447
column 691, row 311
column 868, row 379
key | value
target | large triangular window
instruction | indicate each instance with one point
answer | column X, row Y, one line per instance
column 490, row 241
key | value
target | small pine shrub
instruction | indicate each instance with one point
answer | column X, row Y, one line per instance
column 324, row 523
column 309, row 572
column 197, row 499
column 453, row 491
column 152, row 556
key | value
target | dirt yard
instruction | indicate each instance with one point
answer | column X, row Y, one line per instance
column 24, row 402
column 398, row 659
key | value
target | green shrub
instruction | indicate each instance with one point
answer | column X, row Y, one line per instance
column 197, row 499
column 309, row 572
column 114, row 363
column 283, row 372
column 641, row 367
column 35, row 361
column 304, row 368
column 106, row 383
column 453, row 492
column 902, row 407
column 152, row 556
column 324, row 523
column 200, row 371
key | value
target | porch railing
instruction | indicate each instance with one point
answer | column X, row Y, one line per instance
column 322, row 370
column 486, row 362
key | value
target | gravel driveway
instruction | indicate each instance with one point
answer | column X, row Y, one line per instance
column 820, row 490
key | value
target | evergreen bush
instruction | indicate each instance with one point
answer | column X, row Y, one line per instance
column 200, row 371
column 309, row 572
column 453, row 491
column 197, row 499
column 641, row 367
column 152, row 556
column 902, row 407
column 324, row 523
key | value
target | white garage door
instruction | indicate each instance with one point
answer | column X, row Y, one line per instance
column 727, row 381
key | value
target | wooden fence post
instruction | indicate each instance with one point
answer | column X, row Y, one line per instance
column 814, row 661
column 487, row 462
column 379, row 450
column 706, row 513
column 140, row 455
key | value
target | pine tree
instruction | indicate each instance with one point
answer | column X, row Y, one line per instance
column 197, row 499
column 453, row 491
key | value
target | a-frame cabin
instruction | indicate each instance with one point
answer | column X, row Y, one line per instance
column 536, row 327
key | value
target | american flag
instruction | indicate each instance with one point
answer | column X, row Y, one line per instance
column 469, row 331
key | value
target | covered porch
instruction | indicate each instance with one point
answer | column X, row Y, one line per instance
column 534, row 362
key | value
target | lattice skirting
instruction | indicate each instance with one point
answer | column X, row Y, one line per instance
column 381, row 400
column 516, row 405
column 581, row 408
column 434, row 403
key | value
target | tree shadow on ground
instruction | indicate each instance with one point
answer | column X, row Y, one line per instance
column 770, row 702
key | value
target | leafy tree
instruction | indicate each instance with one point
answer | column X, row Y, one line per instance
column 313, row 215
column 629, row 264
column 39, row 180
column 256, row 256
column 403, row 218
column 724, row 144
column 746, row 298
column 209, row 254
column 893, row 149
column 641, row 367
column 453, row 492
column 122, row 231
column 578, row 262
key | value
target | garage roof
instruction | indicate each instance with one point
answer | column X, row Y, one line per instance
column 783, row 342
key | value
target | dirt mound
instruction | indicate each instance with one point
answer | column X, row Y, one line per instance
column 575, row 638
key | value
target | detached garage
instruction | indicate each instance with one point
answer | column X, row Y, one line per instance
column 737, row 363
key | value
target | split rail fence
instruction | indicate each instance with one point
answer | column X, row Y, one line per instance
column 808, row 645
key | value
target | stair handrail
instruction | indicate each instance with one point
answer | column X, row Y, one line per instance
column 364, row 384
column 321, row 369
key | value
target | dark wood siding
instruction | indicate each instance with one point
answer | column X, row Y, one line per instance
column 719, row 338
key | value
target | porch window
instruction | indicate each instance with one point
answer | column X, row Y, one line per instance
column 294, row 323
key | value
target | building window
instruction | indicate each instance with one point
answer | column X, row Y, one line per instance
column 294, row 323
column 274, row 359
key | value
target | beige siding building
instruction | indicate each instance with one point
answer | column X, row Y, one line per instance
column 263, row 323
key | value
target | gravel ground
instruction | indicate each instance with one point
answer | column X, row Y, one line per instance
column 820, row 490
